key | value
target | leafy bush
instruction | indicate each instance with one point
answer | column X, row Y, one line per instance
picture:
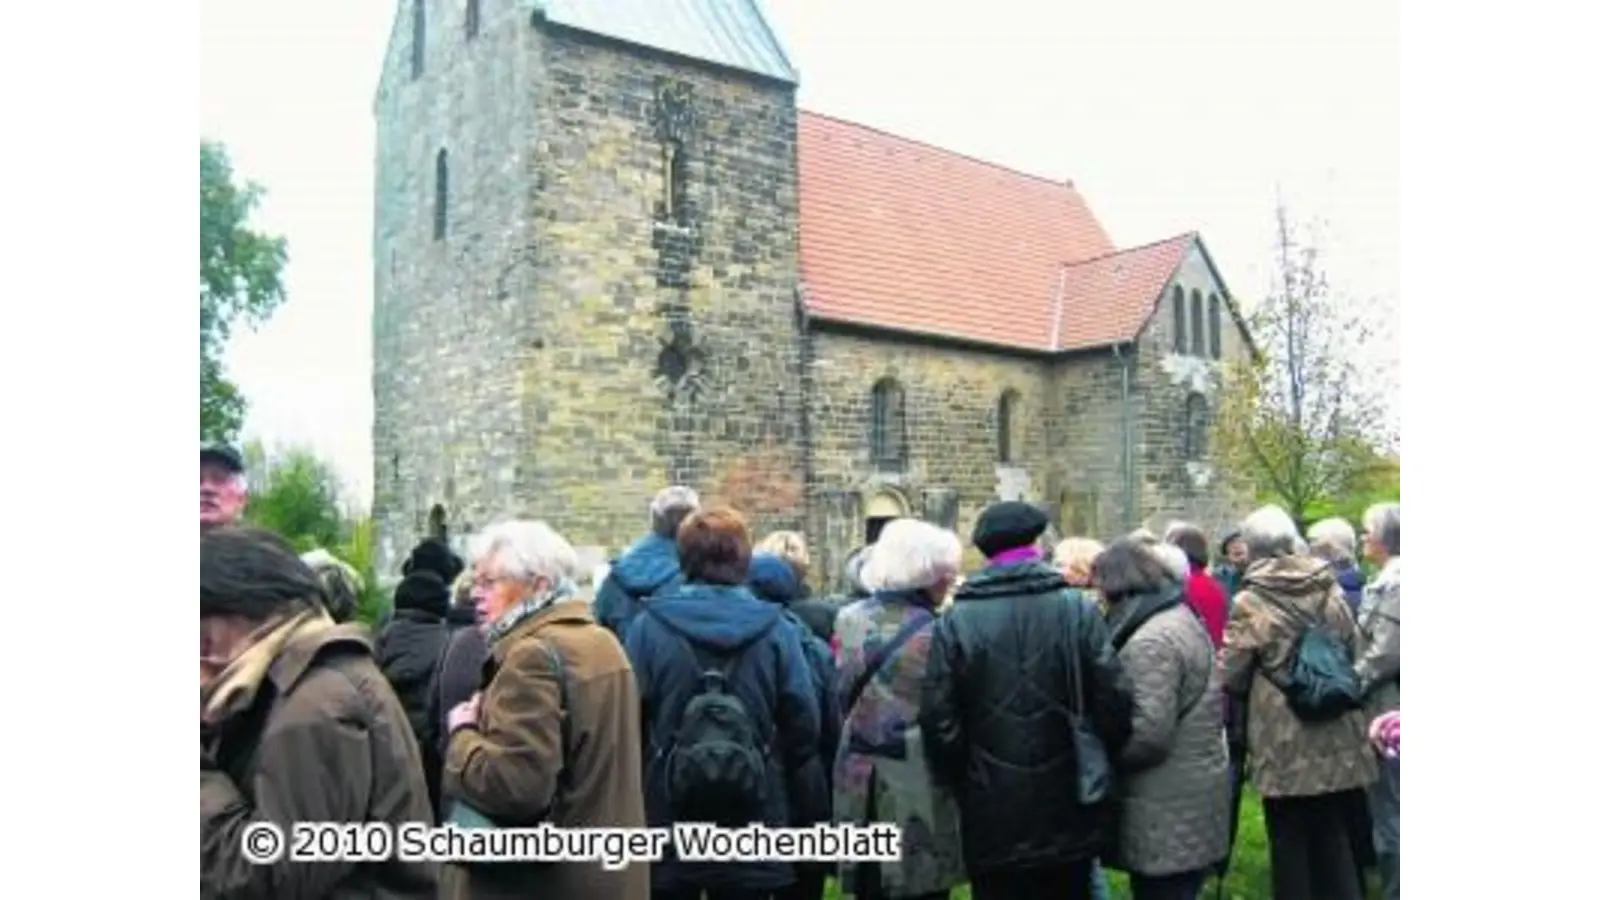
column 300, row 497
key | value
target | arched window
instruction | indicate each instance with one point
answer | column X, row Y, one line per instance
column 1197, row 324
column 441, row 195
column 1180, row 319
column 472, row 19
column 1216, row 327
column 1005, row 426
column 888, row 436
column 1196, row 428
column 419, row 36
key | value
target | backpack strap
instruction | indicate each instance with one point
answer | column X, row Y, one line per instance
column 876, row 662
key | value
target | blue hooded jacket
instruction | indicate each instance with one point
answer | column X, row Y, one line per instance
column 645, row 569
column 772, row 579
column 769, row 676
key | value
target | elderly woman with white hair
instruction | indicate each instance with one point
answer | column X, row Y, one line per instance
column 1310, row 773
column 1378, row 667
column 1334, row 540
column 881, row 774
column 554, row 737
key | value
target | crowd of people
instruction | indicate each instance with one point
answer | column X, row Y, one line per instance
column 1061, row 711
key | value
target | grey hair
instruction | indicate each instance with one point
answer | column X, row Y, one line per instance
column 1383, row 521
column 670, row 506
column 911, row 555
column 526, row 549
column 341, row 583
column 1173, row 560
column 1269, row 532
column 1333, row 539
column 1129, row 566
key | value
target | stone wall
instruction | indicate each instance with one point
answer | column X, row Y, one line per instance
column 1087, row 447
column 665, row 340
column 952, row 399
column 450, row 315
column 1174, row 484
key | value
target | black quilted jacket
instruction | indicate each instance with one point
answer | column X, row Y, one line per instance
column 995, row 716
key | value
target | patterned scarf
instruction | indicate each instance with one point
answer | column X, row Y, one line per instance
column 236, row 687
column 529, row 607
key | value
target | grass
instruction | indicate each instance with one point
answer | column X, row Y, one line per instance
column 1249, row 877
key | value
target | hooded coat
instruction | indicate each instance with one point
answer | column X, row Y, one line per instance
column 1290, row 757
column 770, row 677
column 647, row 568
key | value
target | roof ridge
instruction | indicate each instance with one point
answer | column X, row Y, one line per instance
column 1068, row 183
column 1120, row 251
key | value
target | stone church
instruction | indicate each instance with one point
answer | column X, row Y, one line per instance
column 610, row 254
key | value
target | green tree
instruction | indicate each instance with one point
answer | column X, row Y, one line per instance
column 1302, row 422
column 359, row 550
column 241, row 281
column 297, row 495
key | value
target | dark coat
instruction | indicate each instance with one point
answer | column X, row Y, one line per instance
column 771, row 679
column 994, row 715
column 773, row 580
column 514, row 766
column 460, row 676
column 643, row 570
column 325, row 741
column 409, row 651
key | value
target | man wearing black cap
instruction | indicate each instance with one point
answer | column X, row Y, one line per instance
column 223, row 490
column 1030, row 657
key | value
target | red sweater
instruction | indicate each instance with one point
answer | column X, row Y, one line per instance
column 1209, row 601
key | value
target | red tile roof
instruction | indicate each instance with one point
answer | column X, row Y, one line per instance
column 902, row 235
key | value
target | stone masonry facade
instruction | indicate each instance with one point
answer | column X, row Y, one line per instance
column 611, row 302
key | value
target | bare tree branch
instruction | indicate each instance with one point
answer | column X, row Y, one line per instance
column 1304, row 424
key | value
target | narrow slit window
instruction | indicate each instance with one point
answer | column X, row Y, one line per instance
column 1216, row 327
column 472, row 19
column 1180, row 321
column 1005, row 423
column 1197, row 324
column 441, row 195
column 673, row 175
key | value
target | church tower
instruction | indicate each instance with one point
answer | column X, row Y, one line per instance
column 585, row 259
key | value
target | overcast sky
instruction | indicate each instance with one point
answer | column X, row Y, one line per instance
column 1169, row 116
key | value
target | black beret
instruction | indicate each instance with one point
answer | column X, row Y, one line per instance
column 1007, row 526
